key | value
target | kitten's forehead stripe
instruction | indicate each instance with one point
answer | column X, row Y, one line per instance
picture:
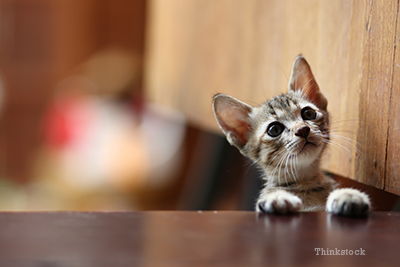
column 281, row 106
column 271, row 108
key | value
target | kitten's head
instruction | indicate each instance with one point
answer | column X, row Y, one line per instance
column 291, row 128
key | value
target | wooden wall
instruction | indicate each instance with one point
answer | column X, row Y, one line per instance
column 245, row 48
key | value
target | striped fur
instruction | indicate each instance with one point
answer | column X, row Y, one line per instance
column 287, row 143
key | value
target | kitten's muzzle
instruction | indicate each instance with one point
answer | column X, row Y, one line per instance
column 303, row 131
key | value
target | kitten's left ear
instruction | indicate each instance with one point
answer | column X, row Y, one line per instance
column 233, row 118
column 302, row 79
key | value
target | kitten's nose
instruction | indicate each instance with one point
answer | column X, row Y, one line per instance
column 303, row 131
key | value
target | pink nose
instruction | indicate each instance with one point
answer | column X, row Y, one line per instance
column 303, row 131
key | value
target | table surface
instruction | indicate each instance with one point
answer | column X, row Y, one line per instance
column 230, row 238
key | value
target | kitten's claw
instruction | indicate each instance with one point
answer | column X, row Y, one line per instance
column 280, row 202
column 348, row 202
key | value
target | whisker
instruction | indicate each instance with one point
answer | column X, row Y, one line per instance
column 279, row 168
column 250, row 164
column 334, row 121
column 348, row 141
column 340, row 146
column 341, row 130
column 280, row 165
column 297, row 164
column 282, row 151
column 293, row 167
column 286, row 167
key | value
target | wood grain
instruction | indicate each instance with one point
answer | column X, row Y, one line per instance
column 196, row 239
column 246, row 49
column 375, row 93
column 392, row 182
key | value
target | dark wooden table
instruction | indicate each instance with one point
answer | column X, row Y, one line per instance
column 197, row 239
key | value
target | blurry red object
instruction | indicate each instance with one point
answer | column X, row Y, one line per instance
column 66, row 120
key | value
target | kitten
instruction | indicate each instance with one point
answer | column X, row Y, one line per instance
column 286, row 137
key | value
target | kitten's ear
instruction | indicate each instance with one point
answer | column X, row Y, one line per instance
column 233, row 118
column 302, row 79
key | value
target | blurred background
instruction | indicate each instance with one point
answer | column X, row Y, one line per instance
column 77, row 129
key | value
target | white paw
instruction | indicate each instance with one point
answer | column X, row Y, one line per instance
column 280, row 202
column 348, row 202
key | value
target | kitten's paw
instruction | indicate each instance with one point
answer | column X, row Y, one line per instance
column 280, row 202
column 348, row 202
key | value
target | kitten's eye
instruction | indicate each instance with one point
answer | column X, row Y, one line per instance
column 308, row 113
column 275, row 129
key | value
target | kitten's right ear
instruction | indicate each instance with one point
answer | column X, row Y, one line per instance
column 233, row 118
column 302, row 79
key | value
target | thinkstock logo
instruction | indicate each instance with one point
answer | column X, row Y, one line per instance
column 336, row 252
